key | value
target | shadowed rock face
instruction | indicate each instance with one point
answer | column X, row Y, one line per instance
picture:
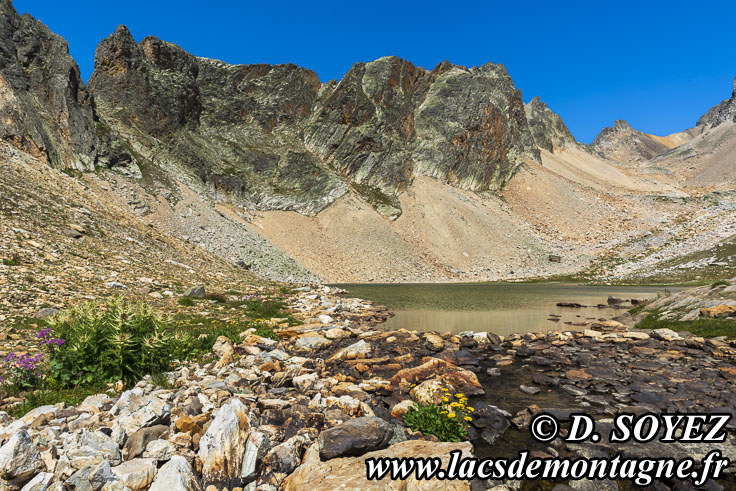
column 387, row 121
column 45, row 109
column 547, row 127
column 272, row 136
column 722, row 113
column 279, row 139
column 623, row 143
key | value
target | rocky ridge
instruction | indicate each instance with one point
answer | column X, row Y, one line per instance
column 623, row 143
column 548, row 129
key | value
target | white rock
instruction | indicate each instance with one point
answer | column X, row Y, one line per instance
column 38, row 483
column 355, row 350
column 137, row 473
column 665, row 334
column 222, row 447
column 256, row 448
column 303, row 382
column 176, row 475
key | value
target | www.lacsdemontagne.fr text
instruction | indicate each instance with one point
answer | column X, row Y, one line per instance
column 641, row 472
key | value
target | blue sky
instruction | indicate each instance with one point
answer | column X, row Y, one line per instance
column 659, row 65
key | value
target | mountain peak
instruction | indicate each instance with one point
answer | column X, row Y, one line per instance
column 548, row 129
column 721, row 113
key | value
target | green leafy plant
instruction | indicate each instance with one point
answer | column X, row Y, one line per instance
column 13, row 260
column 720, row 283
column 265, row 331
column 704, row 327
column 113, row 341
column 447, row 420
column 186, row 301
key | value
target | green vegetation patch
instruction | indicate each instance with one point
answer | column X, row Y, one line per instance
column 707, row 328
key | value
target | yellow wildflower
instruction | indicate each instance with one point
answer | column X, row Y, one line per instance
column 451, row 415
column 459, row 396
column 445, row 399
column 468, row 418
column 470, row 409
column 445, row 390
column 443, row 412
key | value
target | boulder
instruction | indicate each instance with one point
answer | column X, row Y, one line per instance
column 256, row 448
column 221, row 448
column 462, row 380
column 139, row 440
column 350, row 472
column 103, row 444
column 39, row 483
column 354, row 438
column 196, row 292
column 224, row 349
column 137, row 473
column 719, row 311
column 176, row 475
column 665, row 334
column 311, row 342
column 356, row 350
column 20, row 460
column 134, row 411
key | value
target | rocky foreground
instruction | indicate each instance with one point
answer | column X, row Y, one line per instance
column 307, row 410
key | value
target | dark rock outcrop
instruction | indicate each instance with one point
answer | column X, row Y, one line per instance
column 722, row 113
column 270, row 137
column 279, row 139
column 547, row 128
column 45, row 109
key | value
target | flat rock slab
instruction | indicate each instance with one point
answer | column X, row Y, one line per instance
column 350, row 472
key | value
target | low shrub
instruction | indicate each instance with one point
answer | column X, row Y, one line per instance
column 186, row 301
column 13, row 260
column 109, row 342
column 720, row 283
column 447, row 420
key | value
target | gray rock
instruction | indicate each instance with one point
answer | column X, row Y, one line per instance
column 196, row 292
column 101, row 475
column 39, row 483
column 134, row 411
column 256, row 448
column 20, row 460
column 312, row 342
column 176, row 475
column 354, row 438
column 102, row 443
column 159, row 450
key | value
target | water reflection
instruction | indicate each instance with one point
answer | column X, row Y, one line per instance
column 502, row 308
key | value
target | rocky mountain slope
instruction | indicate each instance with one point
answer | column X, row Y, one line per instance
column 709, row 159
column 623, row 143
column 548, row 129
column 274, row 137
column 394, row 173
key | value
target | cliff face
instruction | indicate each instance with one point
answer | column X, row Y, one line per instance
column 45, row 108
column 279, row 139
column 547, row 128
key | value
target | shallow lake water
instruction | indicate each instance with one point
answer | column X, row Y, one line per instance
column 502, row 308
